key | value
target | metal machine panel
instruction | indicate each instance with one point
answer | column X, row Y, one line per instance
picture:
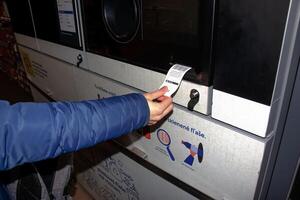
column 107, row 173
column 216, row 159
column 148, row 80
column 222, row 162
column 52, row 76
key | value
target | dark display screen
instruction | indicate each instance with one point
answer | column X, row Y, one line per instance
column 153, row 34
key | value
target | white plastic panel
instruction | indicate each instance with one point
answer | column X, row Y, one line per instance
column 231, row 158
column 27, row 41
column 52, row 76
column 242, row 113
column 92, row 86
column 61, row 52
column 147, row 80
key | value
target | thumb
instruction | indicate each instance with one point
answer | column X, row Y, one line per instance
column 156, row 94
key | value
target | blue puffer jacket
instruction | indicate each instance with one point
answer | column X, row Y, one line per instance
column 35, row 131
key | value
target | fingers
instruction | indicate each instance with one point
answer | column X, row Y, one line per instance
column 164, row 103
column 157, row 118
column 163, row 114
column 167, row 111
column 158, row 110
column 156, row 94
column 161, row 98
column 159, row 104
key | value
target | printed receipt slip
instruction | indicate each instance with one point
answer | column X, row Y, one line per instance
column 174, row 78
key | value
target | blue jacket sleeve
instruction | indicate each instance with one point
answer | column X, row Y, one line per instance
column 36, row 131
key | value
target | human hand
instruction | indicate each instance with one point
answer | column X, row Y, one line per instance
column 159, row 105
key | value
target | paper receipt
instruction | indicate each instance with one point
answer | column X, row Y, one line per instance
column 174, row 78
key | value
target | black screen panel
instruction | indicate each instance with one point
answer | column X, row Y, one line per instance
column 247, row 47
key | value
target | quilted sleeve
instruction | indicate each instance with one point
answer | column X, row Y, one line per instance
column 35, row 131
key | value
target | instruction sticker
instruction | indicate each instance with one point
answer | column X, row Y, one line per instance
column 66, row 15
column 27, row 63
column 174, row 78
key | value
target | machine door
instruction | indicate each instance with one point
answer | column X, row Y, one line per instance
column 249, row 64
column 248, row 43
column 154, row 34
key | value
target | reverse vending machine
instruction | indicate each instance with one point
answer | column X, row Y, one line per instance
column 217, row 142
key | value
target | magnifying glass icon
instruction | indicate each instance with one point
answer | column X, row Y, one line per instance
column 164, row 139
